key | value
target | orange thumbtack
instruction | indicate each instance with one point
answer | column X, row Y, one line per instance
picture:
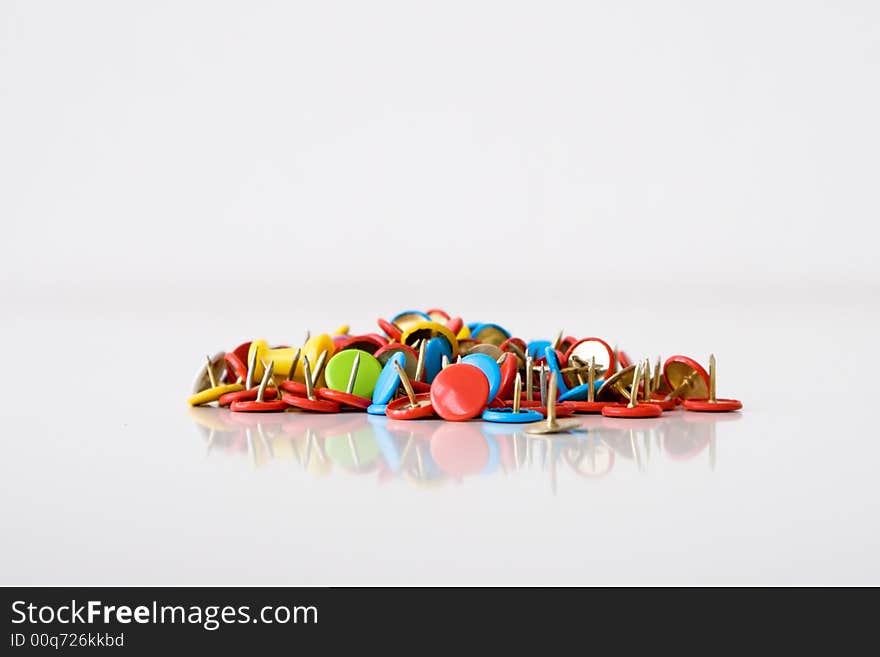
column 310, row 402
column 215, row 391
column 260, row 404
column 686, row 378
column 347, row 398
column 712, row 404
column 633, row 409
column 412, row 406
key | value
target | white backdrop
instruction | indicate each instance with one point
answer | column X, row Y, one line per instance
column 182, row 143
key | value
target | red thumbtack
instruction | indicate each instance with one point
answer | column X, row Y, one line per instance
column 633, row 409
column 310, row 402
column 412, row 406
column 712, row 404
column 260, row 404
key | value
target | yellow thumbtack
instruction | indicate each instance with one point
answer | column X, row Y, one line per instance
column 551, row 424
column 342, row 330
column 214, row 392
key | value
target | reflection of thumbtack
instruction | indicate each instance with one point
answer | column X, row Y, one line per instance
column 551, row 424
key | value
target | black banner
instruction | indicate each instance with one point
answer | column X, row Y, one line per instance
column 149, row 620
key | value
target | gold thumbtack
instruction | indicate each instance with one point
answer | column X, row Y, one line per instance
column 530, row 376
column 407, row 385
column 517, row 392
column 712, row 398
column 616, row 386
column 557, row 340
column 319, row 367
column 252, row 367
column 352, row 378
column 634, row 389
column 267, row 375
column 293, row 363
column 543, row 384
column 211, row 377
column 591, row 381
column 551, row 424
column 420, row 363
column 310, row 386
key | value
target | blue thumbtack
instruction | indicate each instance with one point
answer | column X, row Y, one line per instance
column 553, row 365
column 387, row 383
column 513, row 415
column 536, row 348
column 434, row 352
column 488, row 366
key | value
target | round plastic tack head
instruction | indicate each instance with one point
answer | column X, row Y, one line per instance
column 275, row 406
column 437, row 315
column 235, row 367
column 343, row 398
column 509, row 368
column 427, row 331
column 623, row 359
column 420, row 386
column 434, row 352
column 412, row 358
column 551, row 356
column 389, row 329
column 488, row 366
column 408, row 318
column 588, row 407
column 507, row 416
column 400, row 409
column 388, row 380
column 376, row 409
column 491, row 333
column 246, row 395
column 369, row 343
column 706, row 406
column 460, row 392
column 294, row 388
column 314, row 405
column 337, row 372
column 678, row 369
column 455, row 324
column 588, row 348
column 536, row 348
column 213, row 394
column 637, row 411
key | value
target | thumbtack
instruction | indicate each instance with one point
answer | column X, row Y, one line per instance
column 460, row 392
column 588, row 348
column 659, row 388
column 686, row 378
column 249, row 393
column 418, row 383
column 310, row 402
column 390, row 329
column 551, row 424
column 588, row 388
column 648, row 390
column 489, row 367
column 550, row 358
column 214, row 392
column 513, row 415
column 712, row 404
column 633, row 409
column 348, row 397
column 412, row 406
column 616, row 387
column 260, row 404
column 509, row 370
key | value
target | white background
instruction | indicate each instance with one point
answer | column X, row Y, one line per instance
column 677, row 177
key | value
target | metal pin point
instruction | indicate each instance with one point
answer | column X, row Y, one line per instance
column 420, row 363
column 252, row 369
column 404, row 379
column 319, row 367
column 530, row 375
column 712, row 398
column 517, row 393
column 293, row 363
column 352, row 378
column 310, row 387
column 211, row 377
column 557, row 340
column 444, row 362
column 267, row 374
column 634, row 388
column 543, row 384
column 658, row 372
column 591, row 381
column 646, row 377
